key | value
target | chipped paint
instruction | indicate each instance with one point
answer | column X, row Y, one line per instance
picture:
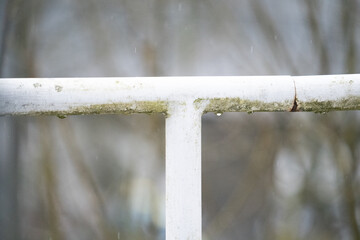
column 58, row 88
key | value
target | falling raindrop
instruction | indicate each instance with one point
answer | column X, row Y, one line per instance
column 252, row 49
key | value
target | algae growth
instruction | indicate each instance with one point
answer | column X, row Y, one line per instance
column 220, row 105
column 216, row 105
column 350, row 103
column 111, row 108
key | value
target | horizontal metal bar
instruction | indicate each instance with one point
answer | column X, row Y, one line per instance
column 328, row 92
column 64, row 96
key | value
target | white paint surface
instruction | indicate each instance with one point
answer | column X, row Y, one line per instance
column 183, row 172
column 184, row 99
column 327, row 87
column 24, row 96
column 51, row 95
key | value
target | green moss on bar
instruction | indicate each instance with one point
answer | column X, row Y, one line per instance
column 351, row 103
column 111, row 108
column 217, row 105
column 243, row 105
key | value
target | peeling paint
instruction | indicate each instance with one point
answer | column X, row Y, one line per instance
column 295, row 106
column 58, row 88
column 36, row 85
column 343, row 81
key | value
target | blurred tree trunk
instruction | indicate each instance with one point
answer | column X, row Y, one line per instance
column 9, row 173
column 17, row 60
column 4, row 17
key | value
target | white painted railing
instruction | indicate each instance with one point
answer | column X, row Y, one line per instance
column 183, row 100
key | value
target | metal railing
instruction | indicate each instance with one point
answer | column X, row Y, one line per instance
column 183, row 100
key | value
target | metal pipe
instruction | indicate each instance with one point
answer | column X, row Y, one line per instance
column 184, row 100
column 183, row 172
column 38, row 96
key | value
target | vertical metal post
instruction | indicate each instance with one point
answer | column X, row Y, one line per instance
column 183, row 172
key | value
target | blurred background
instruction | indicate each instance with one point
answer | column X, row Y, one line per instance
column 265, row 175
